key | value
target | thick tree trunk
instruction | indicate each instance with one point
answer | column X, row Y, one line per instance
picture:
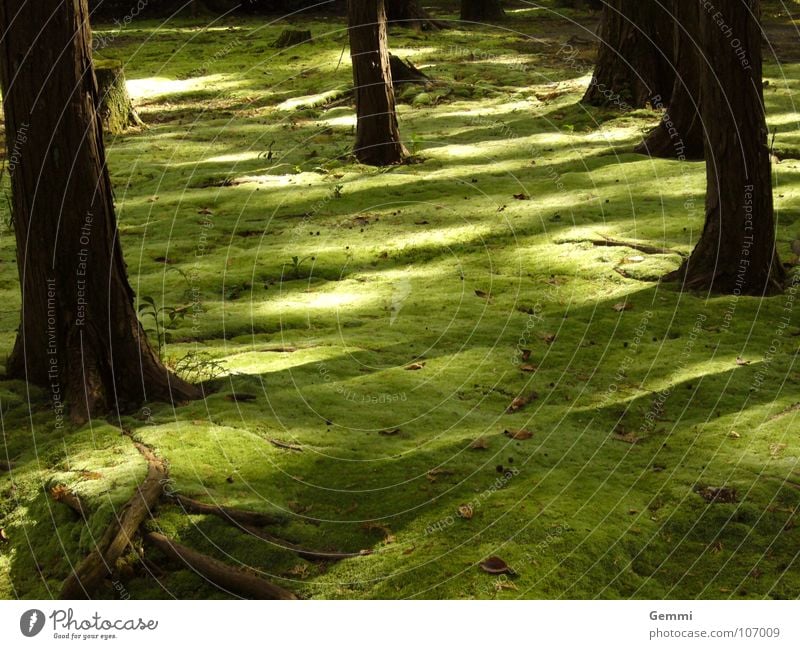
column 480, row 10
column 377, row 134
column 79, row 334
column 409, row 13
column 634, row 59
column 736, row 252
column 680, row 133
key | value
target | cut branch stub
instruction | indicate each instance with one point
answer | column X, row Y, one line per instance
column 116, row 109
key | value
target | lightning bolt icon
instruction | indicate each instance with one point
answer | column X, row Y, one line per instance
column 32, row 621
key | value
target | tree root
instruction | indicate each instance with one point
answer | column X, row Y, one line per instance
column 62, row 494
column 240, row 517
column 218, row 573
column 103, row 559
column 641, row 247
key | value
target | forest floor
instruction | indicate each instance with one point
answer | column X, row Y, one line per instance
column 364, row 327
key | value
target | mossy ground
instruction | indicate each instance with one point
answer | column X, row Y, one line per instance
column 244, row 167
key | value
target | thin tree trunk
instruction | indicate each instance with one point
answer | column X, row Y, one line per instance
column 480, row 10
column 377, row 134
column 736, row 252
column 79, row 336
column 634, row 60
column 680, row 133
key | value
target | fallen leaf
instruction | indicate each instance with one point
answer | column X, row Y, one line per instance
column 496, row 566
column 504, row 584
column 549, row 338
column 465, row 511
column 479, row 444
column 528, row 367
column 734, row 435
column 741, row 361
column 718, row 494
column 482, row 294
column 622, row 306
column 628, row 438
column 415, row 366
column 518, row 434
column 526, row 354
column 433, row 474
column 522, row 197
column 520, row 402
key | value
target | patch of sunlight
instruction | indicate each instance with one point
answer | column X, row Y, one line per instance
column 413, row 51
column 311, row 101
column 481, row 119
column 234, row 157
column 440, row 237
column 152, row 87
column 304, row 302
column 258, row 362
column 613, row 134
column 344, row 120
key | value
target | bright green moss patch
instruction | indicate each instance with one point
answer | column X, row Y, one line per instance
column 311, row 288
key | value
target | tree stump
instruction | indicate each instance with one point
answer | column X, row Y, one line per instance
column 406, row 72
column 116, row 109
column 291, row 37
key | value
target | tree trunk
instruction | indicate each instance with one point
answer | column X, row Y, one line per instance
column 634, row 59
column 680, row 133
column 79, row 336
column 408, row 13
column 116, row 109
column 736, row 252
column 377, row 135
column 480, row 10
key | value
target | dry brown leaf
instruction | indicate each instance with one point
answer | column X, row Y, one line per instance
column 415, row 366
column 466, row 511
column 622, row 306
column 495, row 566
column 522, row 197
column 526, row 354
column 433, row 474
column 520, row 402
column 518, row 434
column 479, row 444
column 482, row 294
column 529, row 367
column 549, row 338
column 741, row 361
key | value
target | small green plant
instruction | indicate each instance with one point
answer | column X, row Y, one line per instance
column 297, row 263
column 336, row 191
column 164, row 319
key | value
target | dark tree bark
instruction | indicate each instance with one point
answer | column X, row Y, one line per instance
column 634, row 59
column 680, row 133
column 79, row 336
column 480, row 10
column 409, row 13
column 736, row 252
column 377, row 134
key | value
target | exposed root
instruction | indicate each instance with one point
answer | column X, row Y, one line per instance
column 63, row 495
column 103, row 559
column 229, row 514
column 218, row 573
column 641, row 247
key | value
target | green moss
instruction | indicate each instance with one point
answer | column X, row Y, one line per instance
column 230, row 182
